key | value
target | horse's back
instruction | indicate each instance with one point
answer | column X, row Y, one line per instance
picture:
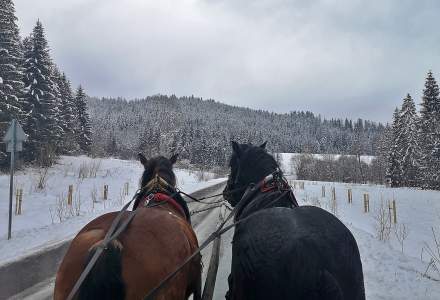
column 153, row 245
column 301, row 253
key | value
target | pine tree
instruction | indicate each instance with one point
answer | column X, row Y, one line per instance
column 83, row 132
column 41, row 97
column 408, row 143
column 67, row 118
column 429, row 136
column 394, row 170
column 11, row 56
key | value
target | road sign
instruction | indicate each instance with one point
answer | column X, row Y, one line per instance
column 20, row 137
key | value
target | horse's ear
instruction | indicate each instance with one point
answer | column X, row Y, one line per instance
column 236, row 148
column 142, row 158
column 173, row 158
column 263, row 146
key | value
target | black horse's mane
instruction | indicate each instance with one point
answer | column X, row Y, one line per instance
column 249, row 164
column 255, row 163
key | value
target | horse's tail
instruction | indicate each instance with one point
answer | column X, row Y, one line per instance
column 105, row 278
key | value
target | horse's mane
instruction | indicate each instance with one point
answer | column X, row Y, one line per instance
column 255, row 163
column 158, row 165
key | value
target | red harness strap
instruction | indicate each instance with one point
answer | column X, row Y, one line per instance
column 160, row 197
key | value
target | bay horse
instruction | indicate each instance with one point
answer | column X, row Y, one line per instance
column 158, row 239
column 280, row 250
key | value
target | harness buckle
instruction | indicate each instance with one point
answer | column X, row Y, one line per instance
column 148, row 199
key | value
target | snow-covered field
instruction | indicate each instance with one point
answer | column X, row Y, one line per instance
column 44, row 221
column 389, row 272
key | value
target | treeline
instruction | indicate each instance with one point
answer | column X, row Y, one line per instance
column 413, row 158
column 201, row 130
column 345, row 168
column 34, row 91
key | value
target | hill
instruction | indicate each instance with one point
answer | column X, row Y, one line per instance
column 201, row 130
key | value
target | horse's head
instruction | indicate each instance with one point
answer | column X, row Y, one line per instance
column 249, row 164
column 159, row 165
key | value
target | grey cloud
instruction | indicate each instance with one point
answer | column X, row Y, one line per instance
column 338, row 58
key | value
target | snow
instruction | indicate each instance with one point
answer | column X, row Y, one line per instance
column 39, row 225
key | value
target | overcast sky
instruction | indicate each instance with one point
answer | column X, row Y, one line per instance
column 341, row 58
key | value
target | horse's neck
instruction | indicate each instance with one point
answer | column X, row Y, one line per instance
column 264, row 201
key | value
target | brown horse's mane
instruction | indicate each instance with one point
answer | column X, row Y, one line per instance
column 161, row 166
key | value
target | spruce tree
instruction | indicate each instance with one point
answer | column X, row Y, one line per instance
column 429, row 137
column 67, row 119
column 394, row 170
column 408, row 143
column 11, row 57
column 41, row 97
column 83, row 132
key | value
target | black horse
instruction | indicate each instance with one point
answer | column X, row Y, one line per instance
column 280, row 251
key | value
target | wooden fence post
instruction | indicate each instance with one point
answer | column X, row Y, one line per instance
column 349, row 196
column 366, row 203
column 323, row 191
column 302, row 185
column 126, row 188
column 105, row 192
column 333, row 194
column 70, row 195
column 394, row 212
column 18, row 201
column 17, row 195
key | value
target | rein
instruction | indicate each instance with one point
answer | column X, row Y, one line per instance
column 199, row 200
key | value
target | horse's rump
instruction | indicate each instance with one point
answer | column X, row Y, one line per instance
column 301, row 253
column 154, row 244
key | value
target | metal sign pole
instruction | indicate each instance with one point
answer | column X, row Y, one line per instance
column 11, row 184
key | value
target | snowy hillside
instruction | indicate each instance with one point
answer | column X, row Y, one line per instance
column 44, row 220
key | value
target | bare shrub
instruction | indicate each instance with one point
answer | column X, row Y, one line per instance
column 202, row 175
column 94, row 194
column 47, row 155
column 108, row 173
column 383, row 222
column 316, row 202
column 401, row 232
column 41, row 178
column 52, row 215
column 61, row 207
column 121, row 198
column 83, row 171
column 306, row 197
column 77, row 203
column 433, row 252
column 94, row 168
